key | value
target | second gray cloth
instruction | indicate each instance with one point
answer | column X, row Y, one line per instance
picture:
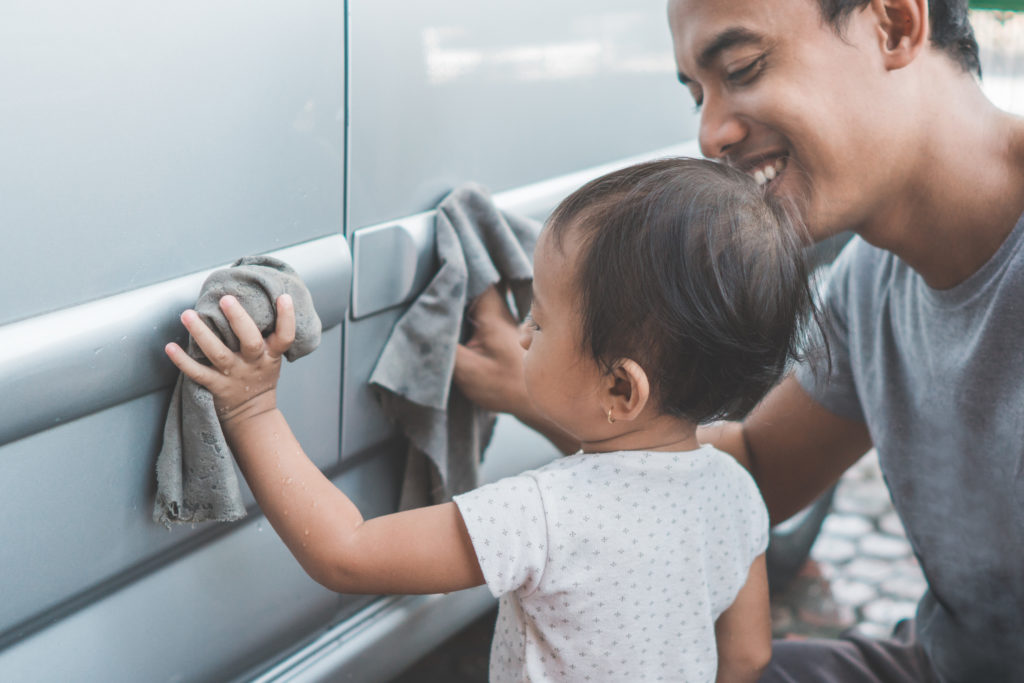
column 477, row 246
column 195, row 471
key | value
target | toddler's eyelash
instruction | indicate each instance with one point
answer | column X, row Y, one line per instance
column 531, row 323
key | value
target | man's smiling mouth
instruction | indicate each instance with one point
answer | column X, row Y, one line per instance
column 768, row 171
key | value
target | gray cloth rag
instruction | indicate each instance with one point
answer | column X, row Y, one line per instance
column 477, row 246
column 195, row 471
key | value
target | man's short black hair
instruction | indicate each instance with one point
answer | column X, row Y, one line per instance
column 690, row 269
column 950, row 24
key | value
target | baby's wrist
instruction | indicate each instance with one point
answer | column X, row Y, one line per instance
column 236, row 416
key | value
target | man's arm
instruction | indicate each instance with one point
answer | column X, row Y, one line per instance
column 794, row 447
column 743, row 632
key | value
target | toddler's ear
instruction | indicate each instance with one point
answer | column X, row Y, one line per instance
column 628, row 389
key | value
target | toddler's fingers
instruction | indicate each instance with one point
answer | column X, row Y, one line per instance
column 210, row 344
column 250, row 340
column 193, row 369
column 284, row 332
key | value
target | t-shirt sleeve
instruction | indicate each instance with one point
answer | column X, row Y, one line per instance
column 756, row 518
column 759, row 524
column 508, row 530
column 834, row 387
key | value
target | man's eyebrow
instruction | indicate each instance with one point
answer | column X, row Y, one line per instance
column 723, row 41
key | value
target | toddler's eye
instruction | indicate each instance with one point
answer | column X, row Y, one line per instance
column 530, row 323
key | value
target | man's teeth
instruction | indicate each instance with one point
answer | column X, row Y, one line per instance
column 763, row 175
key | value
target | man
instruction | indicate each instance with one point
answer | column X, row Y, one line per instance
column 868, row 114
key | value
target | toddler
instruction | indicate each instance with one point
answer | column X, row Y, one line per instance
column 666, row 295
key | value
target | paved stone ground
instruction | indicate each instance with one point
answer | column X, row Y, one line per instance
column 861, row 574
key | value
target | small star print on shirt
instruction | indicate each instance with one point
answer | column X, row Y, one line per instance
column 615, row 566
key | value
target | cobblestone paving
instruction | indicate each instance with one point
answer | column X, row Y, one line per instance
column 861, row 574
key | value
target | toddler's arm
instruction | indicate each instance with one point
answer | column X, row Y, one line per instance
column 744, row 630
column 427, row 550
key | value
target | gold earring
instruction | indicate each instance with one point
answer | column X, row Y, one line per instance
column 611, row 419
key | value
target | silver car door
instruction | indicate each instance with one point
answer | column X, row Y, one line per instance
column 145, row 143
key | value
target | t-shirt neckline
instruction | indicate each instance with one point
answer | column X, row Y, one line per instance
column 980, row 279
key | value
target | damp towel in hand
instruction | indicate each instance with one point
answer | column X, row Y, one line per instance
column 195, row 471
column 477, row 246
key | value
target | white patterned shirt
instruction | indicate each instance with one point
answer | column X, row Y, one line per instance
column 615, row 566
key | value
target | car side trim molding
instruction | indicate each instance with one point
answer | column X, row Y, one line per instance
column 60, row 366
column 362, row 648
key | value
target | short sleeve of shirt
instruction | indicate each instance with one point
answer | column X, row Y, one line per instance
column 759, row 524
column 755, row 520
column 834, row 388
column 508, row 530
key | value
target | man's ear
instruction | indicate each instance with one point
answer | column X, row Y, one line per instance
column 903, row 30
column 628, row 390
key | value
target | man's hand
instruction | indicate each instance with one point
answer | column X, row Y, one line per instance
column 489, row 367
column 243, row 384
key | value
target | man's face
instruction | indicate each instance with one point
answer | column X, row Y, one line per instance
column 784, row 98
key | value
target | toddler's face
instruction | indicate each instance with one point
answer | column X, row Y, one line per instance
column 562, row 380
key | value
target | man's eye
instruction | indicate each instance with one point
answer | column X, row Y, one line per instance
column 698, row 99
column 747, row 73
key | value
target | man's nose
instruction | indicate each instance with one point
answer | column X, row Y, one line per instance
column 720, row 129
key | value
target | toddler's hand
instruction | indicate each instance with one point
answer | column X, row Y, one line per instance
column 489, row 367
column 243, row 384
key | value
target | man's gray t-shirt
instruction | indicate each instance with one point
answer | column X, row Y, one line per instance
column 938, row 376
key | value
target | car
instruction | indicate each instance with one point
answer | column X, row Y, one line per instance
column 146, row 144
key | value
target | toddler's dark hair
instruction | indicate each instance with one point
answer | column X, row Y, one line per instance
column 691, row 270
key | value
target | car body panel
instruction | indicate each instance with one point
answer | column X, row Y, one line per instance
column 145, row 144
